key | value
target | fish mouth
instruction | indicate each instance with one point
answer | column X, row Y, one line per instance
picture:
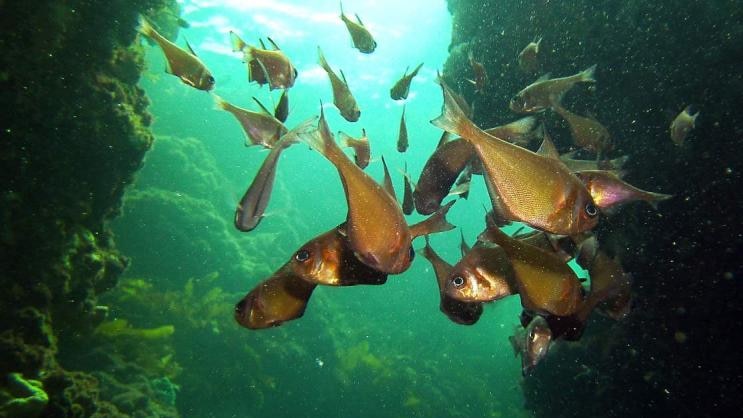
column 242, row 311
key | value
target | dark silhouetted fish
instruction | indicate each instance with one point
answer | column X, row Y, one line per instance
column 281, row 112
column 407, row 198
column 402, row 137
column 402, row 87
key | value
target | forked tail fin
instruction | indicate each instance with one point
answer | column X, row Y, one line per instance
column 434, row 223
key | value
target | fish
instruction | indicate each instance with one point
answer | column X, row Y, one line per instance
column 387, row 181
column 281, row 111
column 266, row 66
column 252, row 206
column 480, row 74
column 484, row 274
column 574, row 165
column 360, row 146
column 464, row 313
column 260, row 128
column 683, row 124
column 539, row 95
column 609, row 191
column 462, row 186
column 181, row 63
column 407, row 198
column 524, row 186
column 547, row 285
column 280, row 298
column 532, row 344
column 360, row 35
column 611, row 285
column 342, row 97
column 587, row 132
column 439, row 174
column 375, row 224
column 402, row 136
column 329, row 260
column 528, row 57
column 402, row 87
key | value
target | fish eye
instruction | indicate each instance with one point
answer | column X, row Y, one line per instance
column 411, row 253
column 458, row 281
column 210, row 79
column 302, row 255
column 591, row 210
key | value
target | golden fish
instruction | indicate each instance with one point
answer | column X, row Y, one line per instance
column 280, row 298
column 464, row 313
column 524, row 186
column 538, row 96
column 342, row 97
column 260, row 128
column 402, row 87
column 360, row 146
column 481, row 75
column 266, row 66
column 547, row 285
column 361, row 37
column 528, row 60
column 532, row 343
column 609, row 191
column 611, row 286
column 484, row 274
column 683, row 124
column 402, row 136
column 587, row 133
column 182, row 64
column 375, row 224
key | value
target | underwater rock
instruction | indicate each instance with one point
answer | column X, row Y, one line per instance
column 22, row 398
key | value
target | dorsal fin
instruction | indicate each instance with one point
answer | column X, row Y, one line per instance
column 343, row 76
column 545, row 76
column 188, row 45
column 547, row 149
column 359, row 19
column 263, row 108
column 263, row 46
column 387, row 182
column 275, row 47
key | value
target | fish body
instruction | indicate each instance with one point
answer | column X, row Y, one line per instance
column 574, row 165
column 402, row 137
column 528, row 58
column 611, row 286
column 181, row 63
column 524, row 186
column 402, row 87
column 547, row 285
column 609, row 191
column 342, row 97
column 683, row 124
column 484, row 274
column 532, row 344
column 260, row 128
column 480, row 74
column 439, row 174
column 360, row 146
column 539, row 95
column 360, row 35
column 281, row 112
column 587, row 133
column 407, row 198
column 266, row 66
column 280, row 298
column 464, row 313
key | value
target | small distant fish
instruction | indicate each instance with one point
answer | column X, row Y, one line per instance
column 464, row 313
column 533, row 344
column 587, row 132
column 520, row 132
column 402, row 87
column 342, row 97
column 260, row 128
column 280, row 298
column 528, row 58
column 574, row 165
column 402, row 137
column 609, row 191
column 281, row 112
column 481, row 75
column 181, row 63
column 360, row 146
column 683, row 124
column 538, row 96
column 407, row 200
column 361, row 37
column 266, row 66
column 253, row 204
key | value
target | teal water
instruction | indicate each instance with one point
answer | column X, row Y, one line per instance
column 367, row 351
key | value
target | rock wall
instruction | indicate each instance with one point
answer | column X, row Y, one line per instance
column 74, row 130
column 676, row 354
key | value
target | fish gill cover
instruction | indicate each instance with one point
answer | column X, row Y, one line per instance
column 161, row 339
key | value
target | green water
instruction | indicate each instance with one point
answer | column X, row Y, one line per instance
column 358, row 351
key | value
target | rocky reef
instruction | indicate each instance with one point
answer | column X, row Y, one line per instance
column 74, row 132
column 674, row 355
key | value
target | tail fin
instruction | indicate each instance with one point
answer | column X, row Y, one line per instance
column 387, row 182
column 220, row 103
column 452, row 118
column 434, row 223
column 321, row 140
column 654, row 198
column 238, row 45
column 587, row 75
column 322, row 61
column 538, row 42
column 415, row 71
column 145, row 28
column 298, row 132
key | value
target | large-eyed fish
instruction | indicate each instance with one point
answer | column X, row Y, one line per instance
column 181, row 63
column 532, row 343
column 538, row 96
column 524, row 186
column 609, row 191
column 278, row 299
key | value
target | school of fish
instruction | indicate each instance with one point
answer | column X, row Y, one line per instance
column 558, row 199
